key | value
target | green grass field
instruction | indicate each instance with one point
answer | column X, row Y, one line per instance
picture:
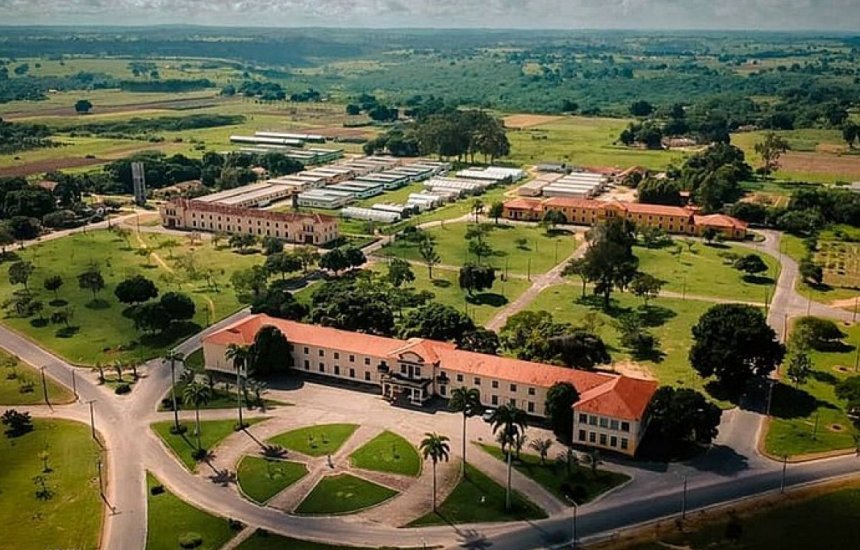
column 670, row 318
column 704, row 272
column 320, row 440
column 263, row 540
column 823, row 521
column 387, row 452
column 479, row 499
column 343, row 494
column 540, row 253
column 261, row 478
column 169, row 518
column 21, row 384
column 551, row 476
column 103, row 332
column 797, row 412
column 220, row 399
column 71, row 517
column 212, row 432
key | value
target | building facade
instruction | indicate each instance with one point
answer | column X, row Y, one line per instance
column 300, row 228
column 671, row 219
column 416, row 370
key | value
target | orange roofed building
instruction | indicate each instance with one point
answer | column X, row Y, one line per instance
column 611, row 412
column 671, row 219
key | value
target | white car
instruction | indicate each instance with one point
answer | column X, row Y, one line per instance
column 488, row 415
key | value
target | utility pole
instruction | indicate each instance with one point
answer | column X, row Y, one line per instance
column 176, row 428
column 508, row 486
column 765, row 301
column 854, row 315
column 684, row 501
column 529, row 269
column 74, row 385
column 784, row 466
column 45, row 387
column 92, row 419
column 770, row 394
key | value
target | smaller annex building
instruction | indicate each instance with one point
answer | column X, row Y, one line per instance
column 672, row 219
column 611, row 412
column 294, row 227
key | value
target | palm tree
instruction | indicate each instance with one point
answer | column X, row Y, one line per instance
column 241, row 357
column 435, row 447
column 173, row 357
column 468, row 402
column 513, row 422
column 542, row 447
column 101, row 370
column 117, row 366
column 196, row 395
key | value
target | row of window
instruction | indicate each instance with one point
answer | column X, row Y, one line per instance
column 321, row 353
column 603, row 422
column 336, row 370
column 494, row 384
column 604, row 440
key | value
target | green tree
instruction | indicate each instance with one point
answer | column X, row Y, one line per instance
column 734, row 343
column 659, row 191
column 816, row 333
column 751, row 264
column 474, row 278
column 510, row 423
column 799, row 367
column 466, row 401
column 17, row 423
column 399, row 272
column 850, row 133
column 646, row 286
column 496, row 210
column 480, row 340
column 770, row 149
column 477, row 208
column 53, row 284
column 609, row 259
column 172, row 357
column 436, row 448
column 83, row 106
column 578, row 267
column 242, row 242
column 579, row 349
column 282, row 263
column 542, row 447
column 19, row 273
column 250, row 283
column 177, row 306
column 334, row 260
column 308, row 255
column 427, row 250
column 242, row 356
column 682, row 415
column 92, row 280
column 269, row 351
column 811, row 272
column 135, row 290
column 560, row 399
column 553, row 218
column 272, row 245
column 196, row 395
column 435, row 321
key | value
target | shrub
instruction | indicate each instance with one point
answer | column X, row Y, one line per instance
column 156, row 490
column 122, row 389
column 190, row 540
column 235, row 524
column 199, row 454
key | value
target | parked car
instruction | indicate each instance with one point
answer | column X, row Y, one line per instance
column 488, row 415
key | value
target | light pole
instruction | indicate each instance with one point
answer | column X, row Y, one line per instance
column 771, row 382
column 684, row 501
column 92, row 419
column 573, row 521
column 173, row 357
column 784, row 466
column 45, row 387
column 74, row 385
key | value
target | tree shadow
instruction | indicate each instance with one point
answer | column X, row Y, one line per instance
column 39, row 323
column 97, row 303
column 758, row 279
column 789, row 402
column 654, row 316
column 67, row 332
column 824, row 377
column 129, row 312
column 722, row 246
column 654, row 448
column 441, row 283
column 656, row 355
column 720, row 459
column 820, row 287
column 59, row 302
column 487, row 299
column 173, row 333
column 595, row 301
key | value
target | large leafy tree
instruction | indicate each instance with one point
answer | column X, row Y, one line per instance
column 560, row 399
column 683, row 415
column 354, row 303
column 271, row 352
column 466, row 401
column 92, row 280
column 734, row 343
column 435, row 321
column 277, row 301
column 177, row 306
column 659, row 191
column 282, row 263
column 609, row 259
column 474, row 278
column 399, row 272
column 135, row 290
column 480, row 340
column 19, row 273
column 579, row 349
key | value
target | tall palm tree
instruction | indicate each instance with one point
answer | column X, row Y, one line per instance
column 241, row 357
column 468, row 402
column 173, row 357
column 513, row 423
column 542, row 446
column 196, row 395
column 435, row 447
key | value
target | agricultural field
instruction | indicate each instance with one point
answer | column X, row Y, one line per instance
column 99, row 329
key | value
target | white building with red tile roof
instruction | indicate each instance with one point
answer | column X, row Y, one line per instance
column 610, row 414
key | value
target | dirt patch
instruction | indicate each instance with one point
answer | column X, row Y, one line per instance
column 335, row 132
column 847, row 303
column 631, row 369
column 836, row 428
column 841, row 369
column 42, row 166
column 841, row 166
column 518, row 122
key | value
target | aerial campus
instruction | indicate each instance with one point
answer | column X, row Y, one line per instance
column 335, row 289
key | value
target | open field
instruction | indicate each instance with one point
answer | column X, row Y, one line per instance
column 71, row 517
column 343, row 494
column 103, row 331
column 212, row 432
column 25, row 388
column 669, row 319
column 707, row 271
column 517, row 249
column 551, row 475
column 387, row 452
column 810, row 418
column 479, row 499
column 262, row 478
column 320, row 440
column 169, row 519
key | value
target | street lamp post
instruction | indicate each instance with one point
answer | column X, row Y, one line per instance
column 45, row 387
column 74, row 385
column 684, row 501
column 771, row 382
column 784, row 466
column 92, row 419
column 573, row 521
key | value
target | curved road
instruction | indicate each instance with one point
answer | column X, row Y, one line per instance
column 732, row 469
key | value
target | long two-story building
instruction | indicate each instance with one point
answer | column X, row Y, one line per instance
column 611, row 412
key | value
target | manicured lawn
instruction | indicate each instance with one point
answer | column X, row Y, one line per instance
column 261, row 478
column 388, row 452
column 825, row 521
column 324, row 439
column 71, row 517
column 551, row 475
column 342, row 494
column 169, row 518
column 670, row 320
column 796, row 412
column 263, row 540
column 101, row 329
column 221, row 399
column 539, row 254
column 212, row 432
column 705, row 272
column 445, row 287
column 21, row 384
column 479, row 499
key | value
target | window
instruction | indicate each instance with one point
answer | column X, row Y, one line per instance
column 477, row 381
column 459, row 378
column 513, row 387
column 603, row 439
column 402, row 369
column 494, row 400
column 352, row 373
column 531, row 391
column 307, row 364
column 367, row 376
column 495, row 384
column 336, row 355
column 604, row 422
column 625, row 426
column 582, row 435
column 418, row 371
column 337, row 370
column 583, row 418
column 613, row 424
column 513, row 402
column 623, row 442
column 531, row 407
column 352, row 358
column 306, row 349
column 613, row 441
column 367, row 360
column 322, row 353
column 442, row 390
column 592, row 420
column 322, row 367
column 592, row 437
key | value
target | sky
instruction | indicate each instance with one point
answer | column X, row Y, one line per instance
column 824, row 15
